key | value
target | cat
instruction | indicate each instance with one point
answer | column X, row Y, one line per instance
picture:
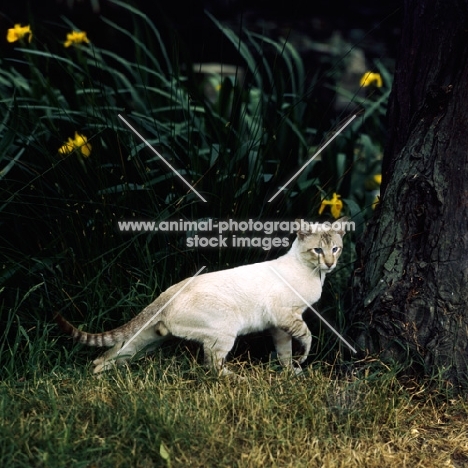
column 215, row 308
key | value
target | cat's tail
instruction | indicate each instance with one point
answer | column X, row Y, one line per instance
column 105, row 339
column 148, row 317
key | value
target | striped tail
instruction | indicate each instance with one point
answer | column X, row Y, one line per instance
column 107, row 339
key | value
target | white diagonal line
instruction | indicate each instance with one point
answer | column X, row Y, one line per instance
column 142, row 138
column 313, row 157
column 310, row 307
column 160, row 310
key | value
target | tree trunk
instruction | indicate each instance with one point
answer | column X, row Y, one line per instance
column 410, row 292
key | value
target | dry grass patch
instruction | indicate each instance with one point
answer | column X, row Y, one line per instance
column 151, row 416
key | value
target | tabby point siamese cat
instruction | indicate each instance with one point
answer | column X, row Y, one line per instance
column 215, row 308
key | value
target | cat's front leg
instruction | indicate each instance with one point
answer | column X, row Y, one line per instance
column 292, row 324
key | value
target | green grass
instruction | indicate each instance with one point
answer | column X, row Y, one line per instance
column 163, row 412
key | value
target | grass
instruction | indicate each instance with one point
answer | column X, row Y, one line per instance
column 165, row 412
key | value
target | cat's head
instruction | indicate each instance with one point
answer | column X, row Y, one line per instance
column 321, row 245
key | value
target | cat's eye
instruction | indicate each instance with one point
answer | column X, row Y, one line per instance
column 335, row 249
column 318, row 251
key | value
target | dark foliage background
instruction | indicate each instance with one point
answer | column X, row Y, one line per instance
column 281, row 80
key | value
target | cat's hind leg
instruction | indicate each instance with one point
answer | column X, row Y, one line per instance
column 215, row 351
column 148, row 339
column 106, row 360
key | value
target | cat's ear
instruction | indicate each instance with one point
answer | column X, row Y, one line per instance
column 343, row 221
column 302, row 233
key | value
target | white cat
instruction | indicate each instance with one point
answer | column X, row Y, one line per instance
column 215, row 308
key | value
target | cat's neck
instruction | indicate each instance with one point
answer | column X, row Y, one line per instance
column 295, row 252
column 295, row 256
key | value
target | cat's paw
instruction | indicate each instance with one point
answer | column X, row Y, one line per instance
column 302, row 359
column 299, row 371
column 225, row 372
column 104, row 363
column 100, row 365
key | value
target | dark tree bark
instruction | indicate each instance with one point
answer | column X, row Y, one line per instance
column 410, row 293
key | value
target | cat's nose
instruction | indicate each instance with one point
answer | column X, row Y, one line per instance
column 329, row 265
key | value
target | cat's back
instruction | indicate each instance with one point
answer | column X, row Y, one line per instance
column 254, row 283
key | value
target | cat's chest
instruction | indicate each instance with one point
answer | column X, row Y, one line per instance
column 298, row 292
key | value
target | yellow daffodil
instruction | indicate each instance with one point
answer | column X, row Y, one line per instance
column 336, row 205
column 76, row 37
column 373, row 182
column 18, row 32
column 371, row 79
column 80, row 142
